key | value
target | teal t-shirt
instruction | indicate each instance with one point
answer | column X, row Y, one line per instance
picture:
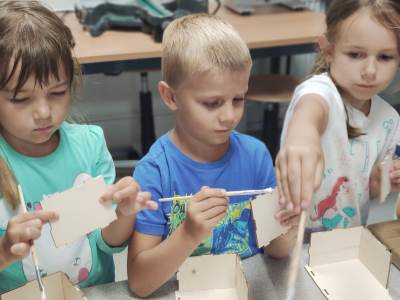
column 81, row 154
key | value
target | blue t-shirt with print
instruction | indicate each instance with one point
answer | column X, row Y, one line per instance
column 166, row 172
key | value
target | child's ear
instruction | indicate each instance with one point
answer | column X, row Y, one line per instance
column 325, row 47
column 167, row 95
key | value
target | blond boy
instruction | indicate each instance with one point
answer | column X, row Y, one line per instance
column 206, row 68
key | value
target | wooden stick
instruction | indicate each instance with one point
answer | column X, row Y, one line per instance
column 229, row 194
column 295, row 260
column 33, row 251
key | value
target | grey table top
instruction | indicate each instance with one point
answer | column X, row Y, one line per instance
column 266, row 278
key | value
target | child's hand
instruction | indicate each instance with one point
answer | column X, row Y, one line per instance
column 300, row 161
column 394, row 175
column 287, row 217
column 21, row 231
column 130, row 200
column 376, row 177
column 299, row 168
column 282, row 246
column 204, row 211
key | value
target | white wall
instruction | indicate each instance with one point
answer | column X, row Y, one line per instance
column 113, row 103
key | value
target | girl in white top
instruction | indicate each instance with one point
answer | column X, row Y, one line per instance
column 337, row 128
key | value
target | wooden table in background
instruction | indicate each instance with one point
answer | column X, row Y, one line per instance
column 274, row 34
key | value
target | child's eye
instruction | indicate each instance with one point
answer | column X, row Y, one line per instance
column 212, row 104
column 19, row 100
column 238, row 99
column 385, row 57
column 355, row 55
column 59, row 93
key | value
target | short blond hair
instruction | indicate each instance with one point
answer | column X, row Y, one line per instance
column 199, row 43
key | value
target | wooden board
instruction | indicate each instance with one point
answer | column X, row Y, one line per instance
column 80, row 211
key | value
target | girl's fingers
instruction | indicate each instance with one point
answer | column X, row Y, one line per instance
column 35, row 223
column 319, row 171
column 283, row 182
column 124, row 186
column 20, row 249
column 44, row 215
column 23, row 234
column 281, row 197
column 295, row 180
column 310, row 168
column 128, row 192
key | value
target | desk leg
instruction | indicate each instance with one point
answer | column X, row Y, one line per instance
column 146, row 115
column 271, row 133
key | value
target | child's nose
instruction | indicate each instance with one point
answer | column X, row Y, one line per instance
column 370, row 69
column 42, row 110
column 228, row 114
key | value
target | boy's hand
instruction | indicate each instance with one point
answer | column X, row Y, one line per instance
column 130, row 200
column 287, row 217
column 299, row 168
column 21, row 231
column 204, row 211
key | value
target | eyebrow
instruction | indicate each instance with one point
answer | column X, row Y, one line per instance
column 7, row 90
column 362, row 48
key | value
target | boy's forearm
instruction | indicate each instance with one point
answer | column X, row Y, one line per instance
column 119, row 231
column 150, row 269
column 282, row 245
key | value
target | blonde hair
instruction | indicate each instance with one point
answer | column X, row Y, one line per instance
column 386, row 12
column 199, row 43
column 34, row 42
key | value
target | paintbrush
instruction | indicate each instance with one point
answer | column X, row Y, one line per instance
column 33, row 252
column 295, row 260
column 228, row 194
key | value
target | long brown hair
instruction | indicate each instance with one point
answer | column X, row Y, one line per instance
column 33, row 42
column 386, row 12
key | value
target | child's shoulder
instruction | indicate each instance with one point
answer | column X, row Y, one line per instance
column 158, row 149
column 82, row 132
column 322, row 85
column 384, row 109
column 247, row 143
column 318, row 81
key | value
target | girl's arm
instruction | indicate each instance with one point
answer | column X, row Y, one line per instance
column 152, row 262
column 300, row 161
